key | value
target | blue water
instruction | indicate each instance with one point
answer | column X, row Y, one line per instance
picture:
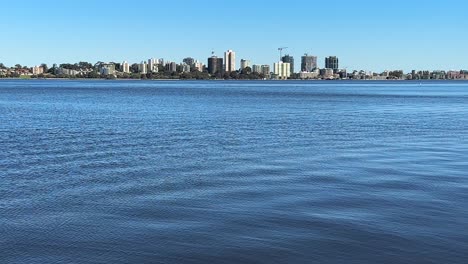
column 233, row 172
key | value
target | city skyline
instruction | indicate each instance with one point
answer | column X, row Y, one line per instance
column 363, row 34
column 216, row 68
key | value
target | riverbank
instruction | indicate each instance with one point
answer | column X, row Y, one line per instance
column 241, row 80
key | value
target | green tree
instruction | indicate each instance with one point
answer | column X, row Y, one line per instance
column 161, row 68
column 234, row 75
column 134, row 68
column 51, row 70
column 44, row 67
column 125, row 76
column 118, row 66
column 93, row 75
column 85, row 65
column 14, row 75
column 396, row 74
column 246, row 70
column 186, row 75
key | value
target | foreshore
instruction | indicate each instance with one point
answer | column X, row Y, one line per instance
column 241, row 80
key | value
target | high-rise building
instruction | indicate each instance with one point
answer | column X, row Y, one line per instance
column 244, row 64
column 171, row 66
column 308, row 63
column 185, row 67
column 257, row 68
column 331, row 63
column 266, row 70
column 215, row 65
column 289, row 59
column 152, row 65
column 143, row 67
column 282, row 70
column 198, row 66
column 125, row 67
column 230, row 61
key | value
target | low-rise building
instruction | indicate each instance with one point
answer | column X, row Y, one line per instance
column 3, row 72
column 327, row 73
column 308, row 75
column 36, row 70
column 67, row 72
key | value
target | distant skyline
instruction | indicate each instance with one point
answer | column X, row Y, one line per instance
column 364, row 34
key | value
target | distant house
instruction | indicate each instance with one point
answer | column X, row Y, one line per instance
column 23, row 72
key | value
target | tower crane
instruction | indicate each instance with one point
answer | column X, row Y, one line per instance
column 281, row 51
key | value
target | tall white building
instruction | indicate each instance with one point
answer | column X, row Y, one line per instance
column 143, row 67
column 282, row 70
column 199, row 66
column 152, row 65
column 125, row 67
column 230, row 61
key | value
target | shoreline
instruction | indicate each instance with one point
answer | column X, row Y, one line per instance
column 303, row 80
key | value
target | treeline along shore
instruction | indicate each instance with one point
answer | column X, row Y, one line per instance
column 112, row 71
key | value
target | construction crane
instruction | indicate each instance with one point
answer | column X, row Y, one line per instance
column 281, row 51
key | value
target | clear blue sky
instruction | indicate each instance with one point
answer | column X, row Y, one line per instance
column 364, row 34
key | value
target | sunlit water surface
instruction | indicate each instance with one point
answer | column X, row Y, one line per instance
column 233, row 172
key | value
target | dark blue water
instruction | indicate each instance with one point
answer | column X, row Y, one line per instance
column 233, row 172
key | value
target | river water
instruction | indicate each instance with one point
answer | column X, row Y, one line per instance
column 233, row 172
